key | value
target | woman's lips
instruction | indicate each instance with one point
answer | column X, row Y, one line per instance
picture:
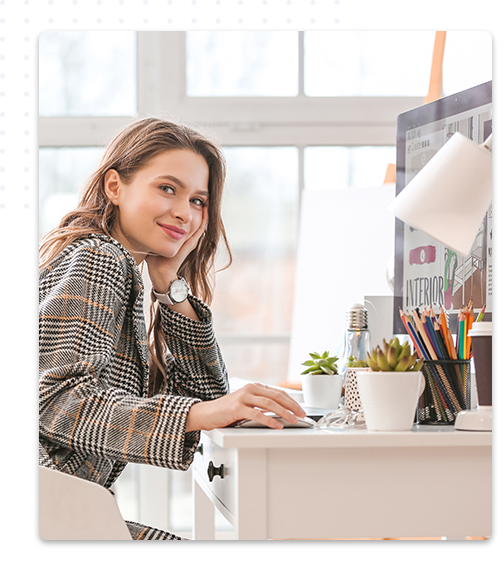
column 173, row 231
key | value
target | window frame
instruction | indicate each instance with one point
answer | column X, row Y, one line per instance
column 236, row 121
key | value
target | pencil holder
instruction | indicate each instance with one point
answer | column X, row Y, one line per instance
column 447, row 391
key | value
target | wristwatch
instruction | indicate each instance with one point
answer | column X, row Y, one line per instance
column 177, row 293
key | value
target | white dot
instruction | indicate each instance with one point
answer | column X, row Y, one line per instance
column 98, row 21
column 194, row 20
column 26, row 94
column 26, row 75
column 336, row 20
column 2, row 206
column 313, row 20
column 288, row 20
column 26, row 206
column 169, row 20
column 145, row 1
column 264, row 21
column 26, row 38
column 51, row 20
column 2, row 75
column 145, row 20
column 26, row 187
column 240, row 20
column 27, row 114
column 217, row 20
column 74, row 20
column 121, row 21
column 26, row 132
column 26, row 151
column 26, row 20
column 26, row 57
column 26, row 169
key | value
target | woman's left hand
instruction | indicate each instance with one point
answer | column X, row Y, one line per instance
column 164, row 270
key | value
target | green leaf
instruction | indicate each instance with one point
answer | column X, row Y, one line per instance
column 316, row 372
column 308, row 363
column 325, row 354
column 326, row 370
column 314, row 355
column 313, row 368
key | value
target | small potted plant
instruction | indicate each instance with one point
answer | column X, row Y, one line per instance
column 321, row 383
column 390, row 390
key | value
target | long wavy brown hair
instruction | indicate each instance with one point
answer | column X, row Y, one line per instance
column 130, row 151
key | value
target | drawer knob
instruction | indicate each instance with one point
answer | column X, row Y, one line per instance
column 214, row 471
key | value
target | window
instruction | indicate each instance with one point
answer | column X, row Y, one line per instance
column 293, row 111
column 87, row 73
column 367, row 63
column 233, row 63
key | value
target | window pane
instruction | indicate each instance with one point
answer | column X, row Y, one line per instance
column 255, row 295
column 259, row 212
column 368, row 63
column 336, row 167
column 87, row 73
column 242, row 63
column 467, row 60
column 62, row 171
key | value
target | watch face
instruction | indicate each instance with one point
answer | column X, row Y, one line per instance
column 179, row 291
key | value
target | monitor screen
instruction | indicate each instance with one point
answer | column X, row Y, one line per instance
column 426, row 272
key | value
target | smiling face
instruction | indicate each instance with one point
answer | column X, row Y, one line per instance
column 163, row 204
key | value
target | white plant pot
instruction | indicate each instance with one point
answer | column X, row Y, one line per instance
column 389, row 399
column 322, row 390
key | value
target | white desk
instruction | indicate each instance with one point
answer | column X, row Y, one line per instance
column 345, row 483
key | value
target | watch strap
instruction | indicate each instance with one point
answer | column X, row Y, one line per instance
column 164, row 298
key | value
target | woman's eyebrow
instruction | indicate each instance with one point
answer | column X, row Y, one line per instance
column 180, row 183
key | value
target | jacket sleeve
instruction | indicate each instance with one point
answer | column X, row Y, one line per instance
column 195, row 367
column 82, row 308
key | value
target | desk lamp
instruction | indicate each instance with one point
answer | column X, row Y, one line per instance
column 447, row 200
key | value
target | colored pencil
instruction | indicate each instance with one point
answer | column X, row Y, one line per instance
column 421, row 351
column 420, row 328
column 447, row 335
column 481, row 313
column 428, row 327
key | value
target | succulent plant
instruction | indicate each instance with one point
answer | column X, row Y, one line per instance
column 321, row 364
column 353, row 363
column 394, row 357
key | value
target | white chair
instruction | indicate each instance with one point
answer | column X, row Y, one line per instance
column 71, row 508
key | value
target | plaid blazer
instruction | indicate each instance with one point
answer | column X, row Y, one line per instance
column 94, row 413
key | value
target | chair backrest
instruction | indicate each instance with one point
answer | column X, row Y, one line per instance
column 71, row 508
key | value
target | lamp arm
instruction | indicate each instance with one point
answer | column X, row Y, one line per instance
column 489, row 143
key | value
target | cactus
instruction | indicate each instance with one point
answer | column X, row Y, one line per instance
column 321, row 364
column 394, row 357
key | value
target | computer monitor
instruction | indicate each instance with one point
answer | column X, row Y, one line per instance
column 426, row 272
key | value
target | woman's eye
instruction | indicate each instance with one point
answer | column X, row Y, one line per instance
column 198, row 202
column 167, row 188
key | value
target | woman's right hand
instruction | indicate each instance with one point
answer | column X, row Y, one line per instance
column 249, row 402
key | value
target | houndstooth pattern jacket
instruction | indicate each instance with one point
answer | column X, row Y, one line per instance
column 94, row 413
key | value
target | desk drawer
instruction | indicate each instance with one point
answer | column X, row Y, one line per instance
column 224, row 489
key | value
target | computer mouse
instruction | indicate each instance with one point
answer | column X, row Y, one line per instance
column 304, row 423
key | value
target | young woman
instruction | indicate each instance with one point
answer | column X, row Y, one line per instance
column 110, row 394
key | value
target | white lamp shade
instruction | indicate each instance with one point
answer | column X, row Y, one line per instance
column 449, row 197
